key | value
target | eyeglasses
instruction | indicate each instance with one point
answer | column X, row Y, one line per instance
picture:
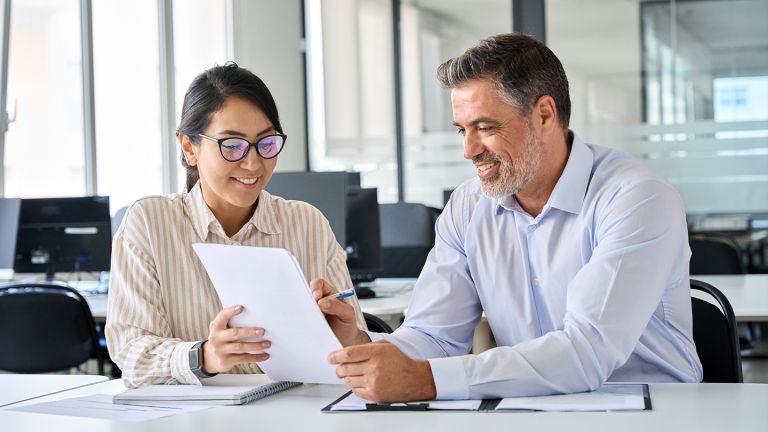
column 235, row 149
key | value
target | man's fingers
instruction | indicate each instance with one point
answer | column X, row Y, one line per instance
column 222, row 319
column 320, row 288
column 339, row 309
column 352, row 354
column 356, row 382
column 347, row 370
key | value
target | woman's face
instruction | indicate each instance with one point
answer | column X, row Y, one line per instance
column 232, row 186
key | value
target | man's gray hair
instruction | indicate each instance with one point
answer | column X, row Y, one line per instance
column 522, row 68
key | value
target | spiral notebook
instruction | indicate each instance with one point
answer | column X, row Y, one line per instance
column 218, row 390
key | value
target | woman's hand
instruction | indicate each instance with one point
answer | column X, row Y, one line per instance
column 339, row 314
column 225, row 348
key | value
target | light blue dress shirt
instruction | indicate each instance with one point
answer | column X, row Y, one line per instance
column 593, row 289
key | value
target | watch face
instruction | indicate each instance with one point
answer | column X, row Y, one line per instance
column 194, row 358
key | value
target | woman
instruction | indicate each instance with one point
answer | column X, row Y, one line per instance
column 165, row 323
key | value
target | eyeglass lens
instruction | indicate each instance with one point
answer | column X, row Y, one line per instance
column 234, row 149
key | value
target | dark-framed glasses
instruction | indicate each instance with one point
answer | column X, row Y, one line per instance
column 235, row 149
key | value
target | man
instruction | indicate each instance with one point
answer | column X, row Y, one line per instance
column 577, row 254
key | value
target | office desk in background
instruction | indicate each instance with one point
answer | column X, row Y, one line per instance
column 748, row 294
column 677, row 407
column 395, row 294
column 16, row 388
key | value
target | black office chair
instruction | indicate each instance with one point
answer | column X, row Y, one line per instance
column 407, row 236
column 376, row 324
column 714, row 332
column 45, row 328
column 715, row 254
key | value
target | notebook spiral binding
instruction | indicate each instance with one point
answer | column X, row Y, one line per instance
column 268, row 390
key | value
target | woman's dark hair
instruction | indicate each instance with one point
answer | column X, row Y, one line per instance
column 207, row 94
column 522, row 68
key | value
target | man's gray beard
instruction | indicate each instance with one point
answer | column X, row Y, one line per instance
column 514, row 176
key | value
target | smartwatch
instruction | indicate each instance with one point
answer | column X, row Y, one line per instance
column 196, row 360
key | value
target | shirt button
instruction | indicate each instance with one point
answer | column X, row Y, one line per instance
column 532, row 228
column 535, row 281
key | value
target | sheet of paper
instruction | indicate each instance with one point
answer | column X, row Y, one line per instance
column 607, row 398
column 355, row 403
column 101, row 406
column 276, row 296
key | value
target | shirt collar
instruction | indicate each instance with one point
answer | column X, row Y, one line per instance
column 568, row 194
column 571, row 188
column 264, row 218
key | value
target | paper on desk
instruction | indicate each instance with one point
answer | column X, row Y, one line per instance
column 356, row 403
column 610, row 397
column 101, row 406
column 272, row 288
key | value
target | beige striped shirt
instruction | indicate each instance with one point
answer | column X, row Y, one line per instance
column 161, row 300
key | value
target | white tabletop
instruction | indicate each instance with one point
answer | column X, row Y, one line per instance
column 748, row 294
column 678, row 407
column 16, row 388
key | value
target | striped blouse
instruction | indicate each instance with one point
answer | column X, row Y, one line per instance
column 161, row 300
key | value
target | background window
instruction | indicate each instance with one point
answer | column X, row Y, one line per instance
column 44, row 153
column 127, row 98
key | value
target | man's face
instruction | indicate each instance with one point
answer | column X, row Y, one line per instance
column 499, row 141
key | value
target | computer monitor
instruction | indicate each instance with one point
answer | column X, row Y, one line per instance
column 353, row 178
column 58, row 235
column 324, row 190
column 446, row 196
column 363, row 234
column 9, row 226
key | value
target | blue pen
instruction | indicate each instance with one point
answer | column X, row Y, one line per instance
column 341, row 294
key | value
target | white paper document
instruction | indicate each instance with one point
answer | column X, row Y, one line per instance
column 101, row 406
column 610, row 397
column 270, row 285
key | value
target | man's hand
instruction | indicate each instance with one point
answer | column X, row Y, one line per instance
column 380, row 372
column 339, row 314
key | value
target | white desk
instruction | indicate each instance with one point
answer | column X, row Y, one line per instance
column 676, row 407
column 390, row 307
column 16, row 388
column 748, row 294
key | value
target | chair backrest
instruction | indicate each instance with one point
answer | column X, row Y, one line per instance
column 117, row 219
column 714, row 332
column 376, row 324
column 45, row 328
column 715, row 254
column 407, row 236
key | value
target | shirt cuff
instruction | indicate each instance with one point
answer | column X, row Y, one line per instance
column 375, row 336
column 450, row 378
column 180, row 368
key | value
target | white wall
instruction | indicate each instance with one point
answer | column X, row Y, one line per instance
column 267, row 40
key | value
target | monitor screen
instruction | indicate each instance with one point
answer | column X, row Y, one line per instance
column 324, row 190
column 363, row 234
column 59, row 235
column 9, row 226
